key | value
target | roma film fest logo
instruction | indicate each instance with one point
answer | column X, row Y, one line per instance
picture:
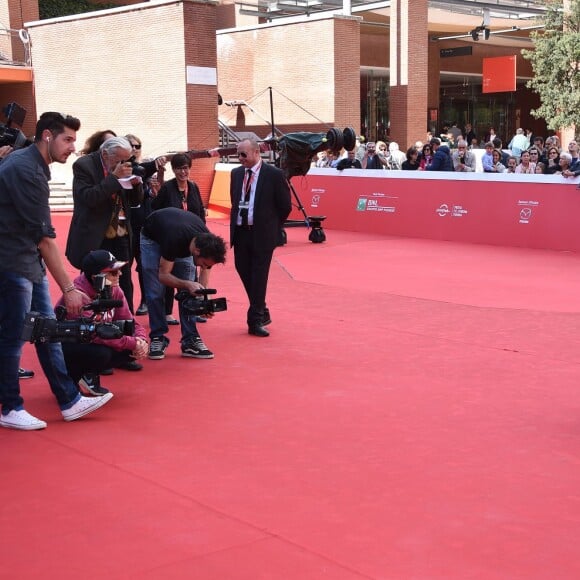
column 315, row 200
column 453, row 210
column 526, row 210
column 376, row 202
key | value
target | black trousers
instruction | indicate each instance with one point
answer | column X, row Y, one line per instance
column 82, row 358
column 253, row 266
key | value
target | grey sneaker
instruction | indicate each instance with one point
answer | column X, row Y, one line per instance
column 91, row 384
column 22, row 420
column 84, row 406
column 157, row 347
column 196, row 349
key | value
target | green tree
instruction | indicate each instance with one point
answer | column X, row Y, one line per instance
column 556, row 65
column 57, row 8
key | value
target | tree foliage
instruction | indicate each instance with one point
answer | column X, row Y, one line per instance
column 556, row 65
column 57, row 8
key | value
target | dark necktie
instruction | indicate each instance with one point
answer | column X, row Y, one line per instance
column 247, row 190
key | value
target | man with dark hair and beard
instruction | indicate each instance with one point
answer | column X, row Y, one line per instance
column 27, row 249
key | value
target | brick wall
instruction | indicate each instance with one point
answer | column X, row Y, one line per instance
column 20, row 93
column 201, row 100
column 304, row 67
column 347, row 73
column 22, row 11
column 408, row 103
column 107, row 61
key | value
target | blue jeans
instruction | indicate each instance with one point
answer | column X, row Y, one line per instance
column 18, row 295
column 184, row 269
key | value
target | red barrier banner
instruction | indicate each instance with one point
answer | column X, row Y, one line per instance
column 498, row 74
column 532, row 211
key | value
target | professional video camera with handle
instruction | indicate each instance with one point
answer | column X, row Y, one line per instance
column 38, row 328
column 10, row 135
column 200, row 304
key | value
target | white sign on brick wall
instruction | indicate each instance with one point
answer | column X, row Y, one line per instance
column 201, row 75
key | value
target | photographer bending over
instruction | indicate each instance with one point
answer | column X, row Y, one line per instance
column 173, row 243
column 85, row 361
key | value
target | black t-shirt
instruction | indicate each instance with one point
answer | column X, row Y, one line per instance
column 173, row 229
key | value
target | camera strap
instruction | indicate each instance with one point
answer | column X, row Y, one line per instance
column 118, row 224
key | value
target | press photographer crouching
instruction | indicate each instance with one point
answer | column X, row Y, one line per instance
column 99, row 280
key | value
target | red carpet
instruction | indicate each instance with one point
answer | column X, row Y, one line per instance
column 414, row 415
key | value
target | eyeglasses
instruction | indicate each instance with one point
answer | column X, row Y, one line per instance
column 242, row 154
column 136, row 146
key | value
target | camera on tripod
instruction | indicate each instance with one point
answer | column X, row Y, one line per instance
column 13, row 136
column 39, row 328
column 200, row 304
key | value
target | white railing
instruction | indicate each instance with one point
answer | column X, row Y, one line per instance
column 14, row 47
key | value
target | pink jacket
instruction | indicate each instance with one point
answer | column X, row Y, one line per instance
column 121, row 313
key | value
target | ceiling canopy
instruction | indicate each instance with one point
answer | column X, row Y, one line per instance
column 272, row 9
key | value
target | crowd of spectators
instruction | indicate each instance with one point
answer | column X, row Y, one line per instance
column 460, row 150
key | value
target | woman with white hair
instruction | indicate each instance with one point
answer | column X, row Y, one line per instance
column 565, row 162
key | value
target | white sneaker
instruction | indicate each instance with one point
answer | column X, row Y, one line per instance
column 21, row 420
column 84, row 406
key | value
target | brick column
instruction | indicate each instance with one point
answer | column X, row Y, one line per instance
column 347, row 72
column 201, row 98
column 408, row 71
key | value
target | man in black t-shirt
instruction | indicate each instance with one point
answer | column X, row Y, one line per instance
column 173, row 243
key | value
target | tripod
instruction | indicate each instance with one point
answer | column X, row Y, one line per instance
column 317, row 235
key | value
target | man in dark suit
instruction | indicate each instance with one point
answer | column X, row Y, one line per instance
column 261, row 203
column 101, row 216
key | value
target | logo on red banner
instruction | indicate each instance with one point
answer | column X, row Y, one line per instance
column 527, row 210
column 376, row 202
column 454, row 211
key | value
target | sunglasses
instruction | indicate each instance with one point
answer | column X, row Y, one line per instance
column 242, row 154
column 136, row 146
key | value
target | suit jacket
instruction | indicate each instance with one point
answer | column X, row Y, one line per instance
column 272, row 204
column 94, row 200
column 170, row 196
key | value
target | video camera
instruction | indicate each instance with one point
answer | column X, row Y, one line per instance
column 38, row 328
column 13, row 136
column 200, row 304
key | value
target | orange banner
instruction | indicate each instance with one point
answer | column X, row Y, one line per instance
column 499, row 74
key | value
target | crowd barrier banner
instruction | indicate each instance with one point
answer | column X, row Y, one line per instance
column 532, row 211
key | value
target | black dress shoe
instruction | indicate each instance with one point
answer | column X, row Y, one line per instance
column 142, row 309
column 106, row 372
column 258, row 331
column 132, row 365
column 266, row 319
